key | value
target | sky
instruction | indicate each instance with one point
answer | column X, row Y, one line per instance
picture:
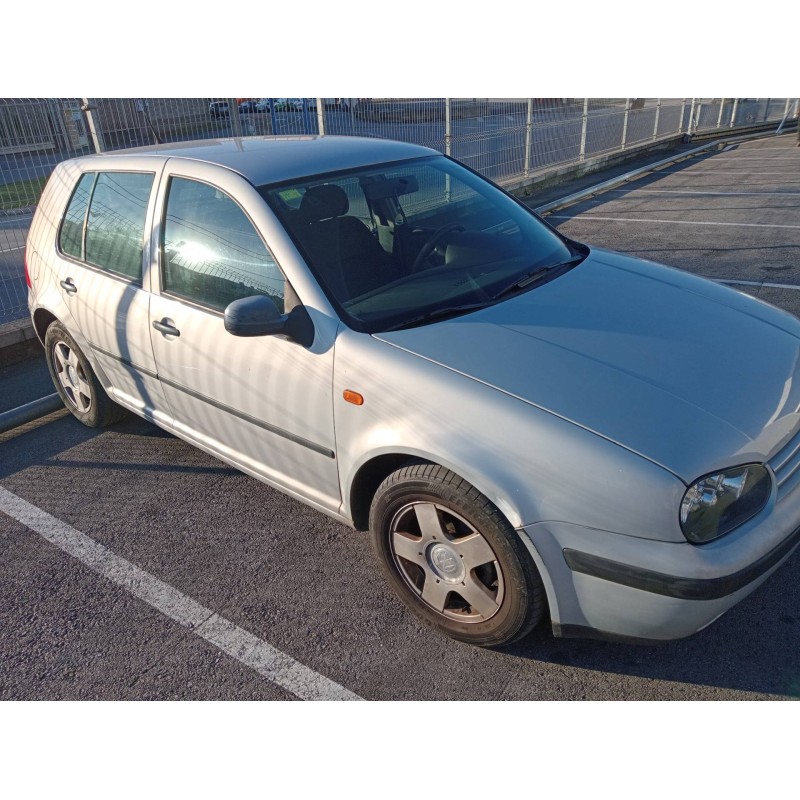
column 354, row 48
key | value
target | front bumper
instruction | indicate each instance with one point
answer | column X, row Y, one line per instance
column 605, row 584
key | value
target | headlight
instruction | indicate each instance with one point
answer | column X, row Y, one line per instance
column 716, row 504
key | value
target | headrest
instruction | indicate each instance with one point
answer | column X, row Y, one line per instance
column 324, row 202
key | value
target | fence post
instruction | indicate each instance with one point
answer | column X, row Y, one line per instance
column 529, row 137
column 691, row 119
column 658, row 114
column 680, row 121
column 733, row 112
column 583, row 128
column 94, row 130
column 721, row 107
column 625, row 123
column 273, row 122
column 448, row 142
column 766, row 110
column 448, row 127
column 233, row 116
column 321, row 115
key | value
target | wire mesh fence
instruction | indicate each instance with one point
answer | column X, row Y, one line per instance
column 507, row 140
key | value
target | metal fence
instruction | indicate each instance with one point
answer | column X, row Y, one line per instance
column 507, row 140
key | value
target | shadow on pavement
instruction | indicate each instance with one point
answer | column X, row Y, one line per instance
column 752, row 648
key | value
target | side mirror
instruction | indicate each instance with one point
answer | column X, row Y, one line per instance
column 259, row 316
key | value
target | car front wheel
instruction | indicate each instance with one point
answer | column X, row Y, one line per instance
column 453, row 558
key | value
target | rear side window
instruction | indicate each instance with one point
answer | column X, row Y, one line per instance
column 115, row 227
column 211, row 253
column 71, row 238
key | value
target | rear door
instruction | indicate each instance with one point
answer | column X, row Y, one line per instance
column 262, row 402
column 103, row 252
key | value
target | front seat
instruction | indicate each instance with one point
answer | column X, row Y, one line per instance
column 347, row 256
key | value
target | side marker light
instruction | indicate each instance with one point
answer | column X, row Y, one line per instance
column 353, row 397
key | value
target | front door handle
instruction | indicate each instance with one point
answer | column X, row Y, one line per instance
column 166, row 327
column 68, row 286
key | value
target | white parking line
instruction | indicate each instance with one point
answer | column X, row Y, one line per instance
column 762, row 284
column 238, row 643
column 792, row 158
column 717, row 172
column 696, row 191
column 674, row 221
column 12, row 249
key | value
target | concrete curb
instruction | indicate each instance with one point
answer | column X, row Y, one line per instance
column 29, row 412
column 18, row 342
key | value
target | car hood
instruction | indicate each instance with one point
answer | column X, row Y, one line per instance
column 686, row 373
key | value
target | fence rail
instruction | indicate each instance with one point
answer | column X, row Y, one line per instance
column 507, row 140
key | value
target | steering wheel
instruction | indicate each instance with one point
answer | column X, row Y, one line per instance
column 436, row 237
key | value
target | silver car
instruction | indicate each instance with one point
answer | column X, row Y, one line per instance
column 528, row 427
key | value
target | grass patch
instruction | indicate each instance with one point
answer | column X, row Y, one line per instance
column 21, row 193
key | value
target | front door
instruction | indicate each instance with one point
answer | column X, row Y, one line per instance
column 264, row 402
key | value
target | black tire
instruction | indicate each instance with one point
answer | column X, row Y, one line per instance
column 82, row 394
column 503, row 599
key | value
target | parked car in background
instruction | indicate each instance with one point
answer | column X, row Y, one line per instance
column 218, row 108
column 530, row 428
column 248, row 107
column 294, row 104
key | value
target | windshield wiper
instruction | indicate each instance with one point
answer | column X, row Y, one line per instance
column 534, row 276
column 439, row 313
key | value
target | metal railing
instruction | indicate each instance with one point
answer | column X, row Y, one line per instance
column 507, row 140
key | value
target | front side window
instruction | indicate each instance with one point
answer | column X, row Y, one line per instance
column 402, row 243
column 211, row 253
column 115, row 226
column 71, row 237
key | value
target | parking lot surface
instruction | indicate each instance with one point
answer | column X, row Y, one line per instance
column 198, row 582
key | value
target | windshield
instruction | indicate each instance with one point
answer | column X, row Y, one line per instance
column 395, row 244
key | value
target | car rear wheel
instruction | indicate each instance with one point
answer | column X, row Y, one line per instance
column 453, row 558
column 76, row 382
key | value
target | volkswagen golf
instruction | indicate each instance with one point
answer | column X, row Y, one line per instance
column 528, row 427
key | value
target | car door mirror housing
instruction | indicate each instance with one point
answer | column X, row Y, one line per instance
column 259, row 316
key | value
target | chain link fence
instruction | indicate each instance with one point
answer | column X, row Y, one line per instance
column 507, row 140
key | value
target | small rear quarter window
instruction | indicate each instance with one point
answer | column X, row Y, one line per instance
column 71, row 237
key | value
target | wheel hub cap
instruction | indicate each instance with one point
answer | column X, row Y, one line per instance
column 72, row 375
column 446, row 563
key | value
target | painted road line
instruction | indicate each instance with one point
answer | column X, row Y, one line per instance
column 238, row 643
column 737, row 157
column 582, row 217
column 697, row 191
column 689, row 171
column 13, row 249
column 761, row 284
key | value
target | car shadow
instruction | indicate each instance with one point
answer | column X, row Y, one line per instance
column 752, row 648
column 46, row 444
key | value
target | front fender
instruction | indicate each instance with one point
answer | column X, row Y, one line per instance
column 533, row 465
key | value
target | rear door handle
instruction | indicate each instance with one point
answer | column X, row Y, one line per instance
column 166, row 327
column 68, row 286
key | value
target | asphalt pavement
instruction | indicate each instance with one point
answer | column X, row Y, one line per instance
column 172, row 529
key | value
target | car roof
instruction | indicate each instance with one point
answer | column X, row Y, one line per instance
column 272, row 159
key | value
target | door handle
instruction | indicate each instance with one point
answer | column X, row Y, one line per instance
column 68, row 286
column 166, row 327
